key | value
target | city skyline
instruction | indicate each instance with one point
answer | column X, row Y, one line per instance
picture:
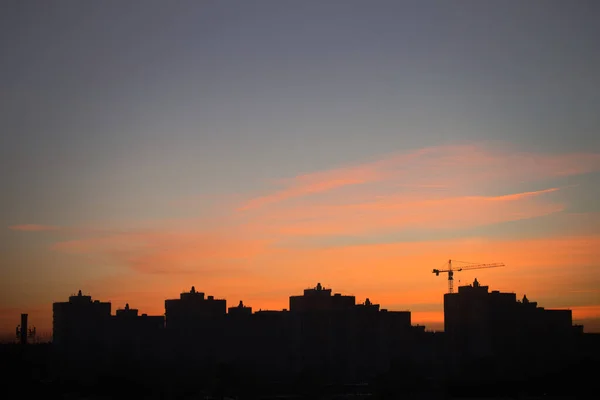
column 127, row 308
column 255, row 149
column 324, row 340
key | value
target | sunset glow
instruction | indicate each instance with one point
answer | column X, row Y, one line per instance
column 255, row 151
column 322, row 228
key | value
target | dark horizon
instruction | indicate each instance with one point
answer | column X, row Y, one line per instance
column 325, row 342
column 46, row 336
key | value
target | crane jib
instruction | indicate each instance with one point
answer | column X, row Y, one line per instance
column 451, row 271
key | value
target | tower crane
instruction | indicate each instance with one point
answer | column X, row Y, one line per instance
column 451, row 271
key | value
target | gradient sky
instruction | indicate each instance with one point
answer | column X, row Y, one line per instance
column 255, row 148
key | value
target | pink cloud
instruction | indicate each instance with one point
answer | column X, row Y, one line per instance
column 178, row 250
column 442, row 194
column 402, row 212
column 33, row 228
column 452, row 167
column 514, row 196
column 322, row 181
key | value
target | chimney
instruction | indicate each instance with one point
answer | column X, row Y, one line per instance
column 23, row 329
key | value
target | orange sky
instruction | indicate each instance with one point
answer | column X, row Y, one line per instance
column 256, row 150
column 374, row 229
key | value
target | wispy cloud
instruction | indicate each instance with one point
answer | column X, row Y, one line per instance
column 398, row 213
column 33, row 228
column 323, row 181
column 449, row 167
column 585, row 291
column 431, row 189
column 167, row 252
column 583, row 312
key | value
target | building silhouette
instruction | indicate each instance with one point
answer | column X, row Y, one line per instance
column 192, row 309
column 323, row 335
column 81, row 326
column 240, row 311
column 135, row 337
column 320, row 299
column 480, row 324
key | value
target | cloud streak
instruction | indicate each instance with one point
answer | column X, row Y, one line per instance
column 455, row 167
column 432, row 189
column 160, row 252
column 323, row 181
column 399, row 213
column 33, row 228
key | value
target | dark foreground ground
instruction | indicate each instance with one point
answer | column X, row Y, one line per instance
column 30, row 372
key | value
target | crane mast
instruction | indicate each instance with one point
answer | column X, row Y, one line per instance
column 450, row 271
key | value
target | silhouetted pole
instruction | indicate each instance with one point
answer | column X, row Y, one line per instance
column 23, row 331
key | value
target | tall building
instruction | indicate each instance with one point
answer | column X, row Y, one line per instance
column 81, row 326
column 133, row 336
column 332, row 330
column 194, row 327
column 482, row 324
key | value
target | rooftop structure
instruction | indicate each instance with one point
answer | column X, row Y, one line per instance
column 192, row 309
column 320, row 299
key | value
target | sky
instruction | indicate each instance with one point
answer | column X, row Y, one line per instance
column 255, row 148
